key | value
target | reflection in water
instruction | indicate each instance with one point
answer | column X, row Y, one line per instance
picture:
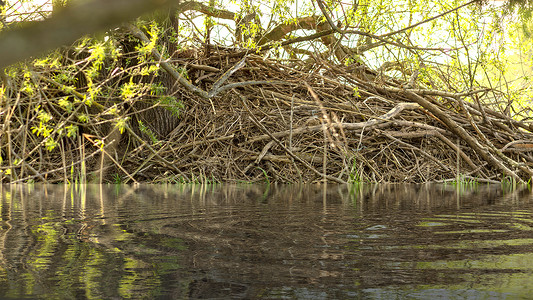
column 249, row 241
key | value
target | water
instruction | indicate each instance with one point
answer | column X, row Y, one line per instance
column 249, row 241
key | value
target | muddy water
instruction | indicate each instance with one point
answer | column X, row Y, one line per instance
column 249, row 241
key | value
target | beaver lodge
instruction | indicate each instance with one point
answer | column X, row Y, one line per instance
column 139, row 108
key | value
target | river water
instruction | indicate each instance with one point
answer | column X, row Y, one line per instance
column 253, row 241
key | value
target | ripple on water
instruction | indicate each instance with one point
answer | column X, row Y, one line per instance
column 265, row 242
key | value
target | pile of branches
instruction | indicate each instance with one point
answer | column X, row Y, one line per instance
column 246, row 118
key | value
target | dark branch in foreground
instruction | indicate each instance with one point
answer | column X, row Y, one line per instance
column 71, row 23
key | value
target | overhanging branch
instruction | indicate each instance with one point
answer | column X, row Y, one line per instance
column 73, row 22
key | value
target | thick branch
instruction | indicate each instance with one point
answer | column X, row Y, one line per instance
column 345, row 126
column 282, row 30
column 207, row 10
column 71, row 23
column 311, row 23
column 300, row 39
column 462, row 133
column 328, row 18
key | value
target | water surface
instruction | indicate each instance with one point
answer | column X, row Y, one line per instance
column 251, row 241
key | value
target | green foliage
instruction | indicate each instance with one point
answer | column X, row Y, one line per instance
column 66, row 104
column 172, row 104
column 148, row 132
column 120, row 124
column 52, row 61
column 355, row 92
column 83, row 118
column 50, row 144
column 524, row 8
column 72, row 131
column 65, row 76
column 183, row 72
column 354, row 175
column 130, row 90
column 145, row 50
column 42, row 130
column 149, row 70
column 85, row 78
column 267, row 179
column 117, row 179
column 68, row 89
column 157, row 89
column 28, row 86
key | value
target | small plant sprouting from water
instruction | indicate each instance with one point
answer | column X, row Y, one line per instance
column 354, row 174
column 117, row 179
column 465, row 180
column 267, row 179
column 509, row 183
column 79, row 177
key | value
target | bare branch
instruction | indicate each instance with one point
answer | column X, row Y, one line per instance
column 328, row 18
column 427, row 20
column 282, row 30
